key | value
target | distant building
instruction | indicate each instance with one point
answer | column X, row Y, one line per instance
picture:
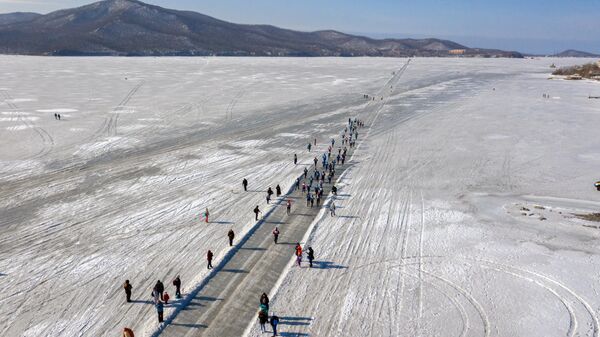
column 456, row 51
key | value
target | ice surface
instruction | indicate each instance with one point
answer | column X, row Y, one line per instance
column 428, row 241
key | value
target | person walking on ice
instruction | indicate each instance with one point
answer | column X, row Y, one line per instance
column 278, row 190
column 299, row 254
column 160, row 288
column 274, row 322
column 159, row 310
column 256, row 211
column 245, row 184
column 262, row 320
column 295, row 159
column 127, row 286
column 275, row 234
column 264, row 300
column 230, row 235
column 310, row 256
column 332, row 209
column 206, row 215
column 209, row 257
column 177, row 284
column 128, row 332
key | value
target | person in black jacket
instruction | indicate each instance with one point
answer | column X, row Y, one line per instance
column 160, row 288
column 256, row 211
column 311, row 256
column 209, row 257
column 127, row 286
column 245, row 184
column 230, row 235
column 278, row 190
column 177, row 284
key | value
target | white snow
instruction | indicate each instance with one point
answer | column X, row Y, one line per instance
column 429, row 238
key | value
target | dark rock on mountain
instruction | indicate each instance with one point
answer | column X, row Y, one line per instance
column 129, row 27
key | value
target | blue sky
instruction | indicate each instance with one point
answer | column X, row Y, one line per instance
column 533, row 26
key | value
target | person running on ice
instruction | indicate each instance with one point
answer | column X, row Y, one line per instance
column 288, row 206
column 262, row 320
column 127, row 286
column 177, row 284
column 274, row 322
column 230, row 235
column 295, row 159
column 206, row 215
column 209, row 257
column 275, row 234
column 332, row 209
column 278, row 190
column 245, row 184
column 256, row 211
column 310, row 256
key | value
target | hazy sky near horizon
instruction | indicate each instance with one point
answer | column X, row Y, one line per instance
column 531, row 26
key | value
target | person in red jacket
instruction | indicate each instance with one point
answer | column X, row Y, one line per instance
column 299, row 254
column 209, row 257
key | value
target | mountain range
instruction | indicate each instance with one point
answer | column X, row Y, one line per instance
column 575, row 53
column 130, row 27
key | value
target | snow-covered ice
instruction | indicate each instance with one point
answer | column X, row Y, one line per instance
column 430, row 239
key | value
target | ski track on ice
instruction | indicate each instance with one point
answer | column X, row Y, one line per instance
column 46, row 139
column 409, row 274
